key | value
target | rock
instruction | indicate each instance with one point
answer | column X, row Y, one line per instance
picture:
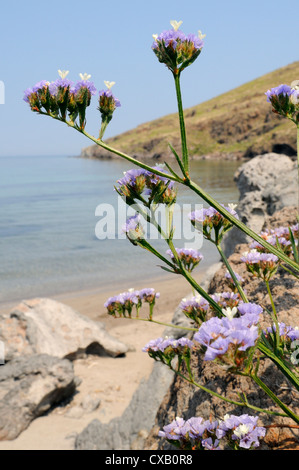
column 45, row 326
column 267, row 183
column 129, row 430
column 88, row 404
column 186, row 400
column 29, row 387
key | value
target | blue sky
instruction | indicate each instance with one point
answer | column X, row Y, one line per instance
column 112, row 41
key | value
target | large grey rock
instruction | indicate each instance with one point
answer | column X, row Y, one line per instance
column 29, row 387
column 45, row 326
column 129, row 430
column 267, row 183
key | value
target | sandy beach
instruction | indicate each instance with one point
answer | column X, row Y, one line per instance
column 113, row 380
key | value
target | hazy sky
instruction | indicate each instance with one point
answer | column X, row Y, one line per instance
column 112, row 41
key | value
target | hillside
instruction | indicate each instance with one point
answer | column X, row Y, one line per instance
column 237, row 124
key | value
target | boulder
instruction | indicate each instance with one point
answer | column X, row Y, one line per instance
column 130, row 430
column 29, row 387
column 45, row 326
column 267, row 183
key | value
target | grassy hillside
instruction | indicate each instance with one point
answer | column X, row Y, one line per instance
column 236, row 124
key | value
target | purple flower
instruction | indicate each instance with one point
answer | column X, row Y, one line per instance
column 209, row 219
column 178, row 429
column 153, row 345
column 82, row 84
column 209, row 444
column 40, row 85
column 188, row 257
column 133, row 229
column 175, row 49
column 218, row 334
column 275, row 92
column 27, row 93
column 108, row 97
column 149, row 295
column 249, row 308
column 238, row 277
column 195, row 308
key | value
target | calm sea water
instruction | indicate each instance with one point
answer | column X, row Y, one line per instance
column 48, row 244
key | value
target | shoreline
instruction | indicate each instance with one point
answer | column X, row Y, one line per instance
column 90, row 302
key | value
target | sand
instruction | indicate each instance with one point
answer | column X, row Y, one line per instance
column 113, row 380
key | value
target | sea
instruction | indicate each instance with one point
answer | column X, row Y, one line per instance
column 61, row 225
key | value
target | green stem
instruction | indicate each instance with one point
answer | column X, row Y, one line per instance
column 275, row 318
column 268, row 352
column 182, row 122
column 269, row 392
column 230, row 270
column 233, row 402
column 169, row 325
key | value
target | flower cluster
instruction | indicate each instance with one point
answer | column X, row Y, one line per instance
column 211, row 222
column 285, row 100
column 287, row 335
column 140, row 184
column 107, row 105
column 187, row 256
column 166, row 349
column 175, row 49
column 241, row 431
column 280, row 237
column 199, row 434
column 195, row 308
column 226, row 299
column 122, row 305
column 133, row 229
column 228, row 339
column 262, row 265
column 230, row 281
column 63, row 97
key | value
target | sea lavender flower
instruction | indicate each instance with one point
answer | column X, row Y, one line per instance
column 211, row 222
column 39, row 96
column 175, row 49
column 133, row 183
column 188, row 257
column 210, row 444
column 159, row 188
column 177, row 430
column 195, row 308
column 226, row 299
column 241, row 431
column 133, row 229
column 285, row 101
column 228, row 339
column 81, row 95
column 107, row 105
column 262, row 265
column 165, row 350
column 141, row 184
column 250, row 308
column 230, row 281
column 149, row 296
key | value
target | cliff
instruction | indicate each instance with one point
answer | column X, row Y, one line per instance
column 235, row 125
